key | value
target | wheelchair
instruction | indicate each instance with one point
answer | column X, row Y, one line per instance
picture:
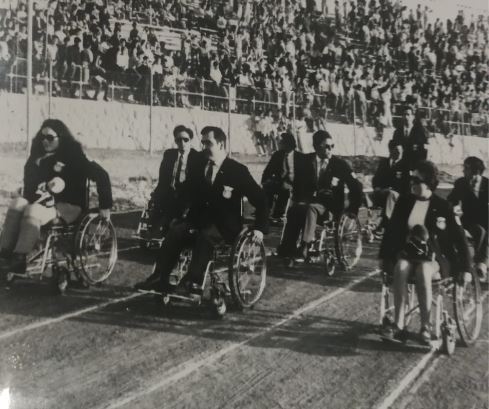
column 144, row 227
column 371, row 218
column 86, row 248
column 345, row 232
column 240, row 279
column 465, row 299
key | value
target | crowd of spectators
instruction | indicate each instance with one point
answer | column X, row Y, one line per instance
column 359, row 61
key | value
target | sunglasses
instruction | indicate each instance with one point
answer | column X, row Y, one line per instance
column 329, row 146
column 416, row 180
column 49, row 138
column 182, row 139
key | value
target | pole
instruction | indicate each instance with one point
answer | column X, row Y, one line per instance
column 151, row 112
column 29, row 74
column 229, row 121
column 50, row 87
column 354, row 127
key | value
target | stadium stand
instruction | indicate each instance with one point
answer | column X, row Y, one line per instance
column 362, row 61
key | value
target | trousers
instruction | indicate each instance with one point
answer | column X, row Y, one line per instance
column 22, row 226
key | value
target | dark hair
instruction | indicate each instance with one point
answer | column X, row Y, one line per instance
column 217, row 132
column 319, row 136
column 475, row 164
column 68, row 146
column 288, row 140
column 429, row 171
column 182, row 128
column 409, row 108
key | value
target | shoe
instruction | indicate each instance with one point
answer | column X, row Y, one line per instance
column 303, row 252
column 425, row 336
column 481, row 269
column 393, row 333
column 154, row 280
column 195, row 288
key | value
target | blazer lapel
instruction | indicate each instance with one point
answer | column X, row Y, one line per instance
column 218, row 181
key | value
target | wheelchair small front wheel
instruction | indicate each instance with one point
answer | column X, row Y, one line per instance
column 247, row 271
column 348, row 241
column 467, row 306
column 448, row 336
column 96, row 247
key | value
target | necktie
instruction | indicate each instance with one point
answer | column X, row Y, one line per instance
column 209, row 172
column 323, row 166
column 473, row 185
column 176, row 178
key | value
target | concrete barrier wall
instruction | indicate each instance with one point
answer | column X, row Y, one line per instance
column 128, row 126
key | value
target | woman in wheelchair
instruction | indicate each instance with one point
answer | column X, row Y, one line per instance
column 422, row 242
column 55, row 186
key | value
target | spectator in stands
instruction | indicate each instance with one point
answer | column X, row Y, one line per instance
column 470, row 195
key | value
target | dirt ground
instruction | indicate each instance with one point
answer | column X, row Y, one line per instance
column 311, row 342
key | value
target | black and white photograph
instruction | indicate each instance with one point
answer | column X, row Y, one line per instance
column 244, row 204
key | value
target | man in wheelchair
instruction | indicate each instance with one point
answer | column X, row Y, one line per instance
column 170, row 197
column 470, row 195
column 422, row 242
column 390, row 180
column 56, row 176
column 218, row 186
column 320, row 189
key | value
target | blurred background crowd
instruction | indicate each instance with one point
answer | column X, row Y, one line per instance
column 307, row 61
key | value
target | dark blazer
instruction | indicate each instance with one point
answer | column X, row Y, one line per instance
column 395, row 177
column 413, row 144
column 164, row 188
column 274, row 169
column 476, row 209
column 447, row 237
column 75, row 171
column 337, row 174
column 220, row 204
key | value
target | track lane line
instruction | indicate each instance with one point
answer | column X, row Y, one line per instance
column 192, row 365
column 420, row 368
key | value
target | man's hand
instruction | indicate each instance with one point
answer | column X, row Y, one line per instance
column 104, row 214
column 256, row 236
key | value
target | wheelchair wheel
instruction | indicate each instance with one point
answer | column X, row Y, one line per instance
column 96, row 248
column 348, row 241
column 247, row 271
column 468, row 309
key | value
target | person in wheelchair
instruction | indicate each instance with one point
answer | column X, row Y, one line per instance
column 218, row 186
column 471, row 194
column 278, row 176
column 169, row 199
column 55, row 186
column 422, row 241
column 320, row 187
column 390, row 180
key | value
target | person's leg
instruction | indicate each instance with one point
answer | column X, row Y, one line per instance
column 281, row 203
column 202, row 253
column 401, row 274
column 292, row 228
column 424, row 272
column 390, row 203
column 313, row 211
column 11, row 225
column 35, row 216
column 270, row 191
column 479, row 238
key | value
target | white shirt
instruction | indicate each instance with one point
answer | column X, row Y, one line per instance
column 181, row 177
column 476, row 186
column 418, row 213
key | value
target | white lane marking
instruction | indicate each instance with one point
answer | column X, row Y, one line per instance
column 42, row 323
column 192, row 365
column 412, row 375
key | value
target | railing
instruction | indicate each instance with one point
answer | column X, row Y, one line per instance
column 75, row 81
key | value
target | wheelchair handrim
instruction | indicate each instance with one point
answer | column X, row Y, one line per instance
column 348, row 255
column 468, row 309
column 87, row 265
